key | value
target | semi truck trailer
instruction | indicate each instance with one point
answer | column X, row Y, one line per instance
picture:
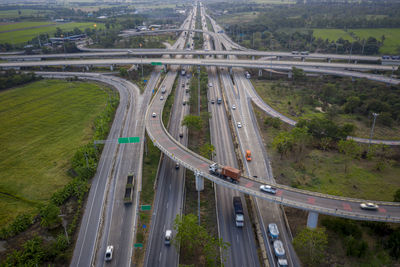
column 225, row 172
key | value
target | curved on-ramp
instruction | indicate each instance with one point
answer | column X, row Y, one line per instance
column 302, row 199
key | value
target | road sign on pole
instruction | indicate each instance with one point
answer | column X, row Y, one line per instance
column 127, row 140
column 156, row 63
column 138, row 245
column 145, row 207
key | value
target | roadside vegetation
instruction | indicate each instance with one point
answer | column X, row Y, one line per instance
column 340, row 100
column 136, row 75
column 48, row 161
column 206, row 251
column 315, row 156
column 362, row 28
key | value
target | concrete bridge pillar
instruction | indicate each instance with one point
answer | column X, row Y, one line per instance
column 278, row 58
column 165, row 68
column 329, row 60
column 259, row 72
column 64, row 67
column 230, row 71
column 355, row 61
column 290, row 74
column 353, row 79
column 199, row 182
column 252, row 57
column 312, row 220
column 111, row 68
column 87, row 68
column 303, row 59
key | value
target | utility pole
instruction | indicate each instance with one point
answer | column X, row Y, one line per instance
column 198, row 92
column 372, row 129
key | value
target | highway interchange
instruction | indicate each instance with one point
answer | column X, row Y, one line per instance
column 107, row 220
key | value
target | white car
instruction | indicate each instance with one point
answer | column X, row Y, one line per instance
column 154, row 115
column 268, row 189
column 369, row 206
column 162, row 97
column 209, row 84
column 233, row 107
column 109, row 252
column 239, row 125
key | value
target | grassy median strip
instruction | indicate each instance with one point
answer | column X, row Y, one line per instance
column 197, row 141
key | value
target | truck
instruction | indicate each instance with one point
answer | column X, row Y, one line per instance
column 279, row 250
column 183, row 72
column 225, row 172
column 239, row 216
column 130, row 184
column 247, row 75
column 273, row 231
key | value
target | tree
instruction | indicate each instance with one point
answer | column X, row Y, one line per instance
column 397, row 196
column 195, row 239
column 207, row 150
column 298, row 74
column 311, row 245
column 49, row 216
column 300, row 138
column 193, row 122
column 351, row 149
column 283, row 143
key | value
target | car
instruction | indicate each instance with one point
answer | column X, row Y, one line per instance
column 212, row 101
column 109, row 253
column 239, row 125
column 233, row 107
column 209, row 84
column 369, row 206
column 168, row 236
column 177, row 166
column 180, row 134
column 184, row 102
column 268, row 189
column 162, row 97
column 154, row 115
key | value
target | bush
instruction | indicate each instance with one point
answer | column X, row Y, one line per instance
column 343, row 227
column 49, row 216
column 31, row 255
column 393, row 244
column 20, row 224
column 355, row 247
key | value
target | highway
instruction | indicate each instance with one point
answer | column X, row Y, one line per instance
column 169, row 197
column 243, row 249
column 254, row 64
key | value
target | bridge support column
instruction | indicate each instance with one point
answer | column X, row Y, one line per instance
column 259, row 72
column 199, row 182
column 290, row 74
column 252, row 57
column 111, row 68
column 355, row 61
column 87, row 68
column 303, row 59
column 329, row 60
column 165, row 68
column 230, row 71
column 312, row 220
column 278, row 58
column 353, row 79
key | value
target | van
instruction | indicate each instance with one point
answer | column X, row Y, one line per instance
column 168, row 237
column 248, row 155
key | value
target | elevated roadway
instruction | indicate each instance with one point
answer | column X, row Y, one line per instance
column 306, row 200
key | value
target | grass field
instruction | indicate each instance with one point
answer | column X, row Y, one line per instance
column 22, row 36
column 41, row 126
column 332, row 34
column 243, row 17
column 22, row 25
column 390, row 45
column 9, row 14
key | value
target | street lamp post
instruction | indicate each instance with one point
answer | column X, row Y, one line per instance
column 372, row 130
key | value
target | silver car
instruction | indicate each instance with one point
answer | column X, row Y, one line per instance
column 369, row 206
column 268, row 189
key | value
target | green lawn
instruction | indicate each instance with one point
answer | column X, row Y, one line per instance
column 22, row 25
column 22, row 36
column 332, row 34
column 8, row 14
column 243, row 17
column 391, row 42
column 390, row 45
column 41, row 126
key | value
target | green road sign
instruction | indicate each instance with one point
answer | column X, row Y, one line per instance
column 127, row 140
column 138, row 245
column 156, row 63
column 145, row 207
